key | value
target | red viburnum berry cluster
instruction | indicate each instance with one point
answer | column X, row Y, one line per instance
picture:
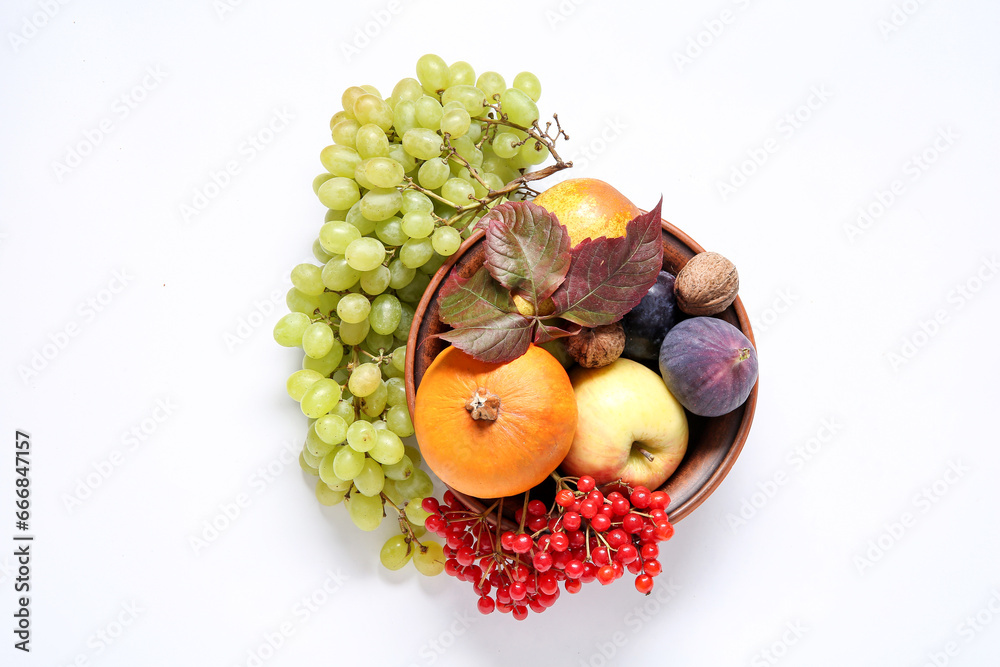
column 585, row 536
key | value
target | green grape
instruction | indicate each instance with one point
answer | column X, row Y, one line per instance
column 339, row 192
column 408, row 89
column 398, row 419
column 361, row 436
column 358, row 220
column 446, row 240
column 374, row 342
column 396, row 390
column 345, row 411
column 318, row 340
column 310, row 460
column 433, row 73
column 414, row 455
column 331, row 429
column 333, row 214
column 289, row 329
column 519, row 107
column 454, row 104
column 429, row 111
column 371, row 478
column 299, row 381
column 305, row 465
column 421, row 143
column 353, row 334
column 374, row 403
column 415, row 253
column 491, row 83
column 364, row 254
column 390, row 232
column 404, row 116
column 533, row 152
column 326, row 473
column 361, row 179
column 400, row 470
column 475, row 132
column 380, row 426
column 457, row 191
column 399, row 154
column 299, row 302
column 418, row 531
column 371, row 142
column 384, row 172
column 339, row 117
column 416, row 202
column 341, row 377
column 320, row 398
column 472, row 99
column 325, row 365
column 461, row 73
column 415, row 513
column 320, row 180
column 417, row 485
column 529, row 84
column 319, row 253
column 493, row 182
column 466, row 148
column 433, row 174
column 412, row 292
column 455, row 122
column 381, row 203
column 353, row 308
column 399, row 360
column 429, row 559
column 386, row 313
column 396, row 552
column 365, row 511
column 390, row 492
column 376, row 281
column 336, row 236
column 345, row 132
column 315, row 444
column 339, row 161
column 371, row 90
column 364, row 379
column 327, row 496
column 388, row 449
column 348, row 98
column 418, row 224
column 328, row 302
column 348, row 463
column 400, row 275
column 338, row 275
column 371, row 109
column 506, row 145
column 431, row 266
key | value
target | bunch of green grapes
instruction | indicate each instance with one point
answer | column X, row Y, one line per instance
column 406, row 177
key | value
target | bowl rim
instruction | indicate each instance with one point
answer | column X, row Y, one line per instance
column 715, row 479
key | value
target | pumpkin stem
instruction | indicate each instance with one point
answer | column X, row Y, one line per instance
column 483, row 405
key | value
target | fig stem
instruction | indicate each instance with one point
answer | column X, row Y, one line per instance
column 744, row 354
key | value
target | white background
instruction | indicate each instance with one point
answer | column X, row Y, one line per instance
column 872, row 355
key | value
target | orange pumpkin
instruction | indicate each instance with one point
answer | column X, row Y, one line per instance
column 493, row 430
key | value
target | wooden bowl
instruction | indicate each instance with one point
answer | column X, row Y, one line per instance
column 714, row 443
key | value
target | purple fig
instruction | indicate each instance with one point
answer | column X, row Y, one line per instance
column 709, row 365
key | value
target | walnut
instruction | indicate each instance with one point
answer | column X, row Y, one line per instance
column 600, row 346
column 707, row 284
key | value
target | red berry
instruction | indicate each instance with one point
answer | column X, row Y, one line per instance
column 521, row 543
column 574, row 569
column 644, row 584
column 618, row 568
column 504, row 607
column 559, row 542
column 606, row 574
column 650, row 551
column 465, row 556
column 658, row 515
column 536, row 508
column 451, row 567
column 600, row 556
column 664, row 531
column 620, row 507
column 652, row 567
column 616, row 538
column 659, row 500
column 430, row 504
column 565, row 498
column 632, row 523
column 626, row 553
column 586, row 483
column 647, row 534
column 519, row 612
column 482, row 588
column 507, row 540
column 547, row 583
column 573, row 585
column 571, row 521
column 589, row 573
column 577, row 538
column 486, row 605
column 601, row 523
column 536, row 605
column 635, row 567
column 537, row 523
column 435, row 523
column 640, row 497
column 588, row 509
column 596, row 496
column 548, row 600
column 450, row 499
column 517, row 591
column 503, row 595
column 542, row 561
